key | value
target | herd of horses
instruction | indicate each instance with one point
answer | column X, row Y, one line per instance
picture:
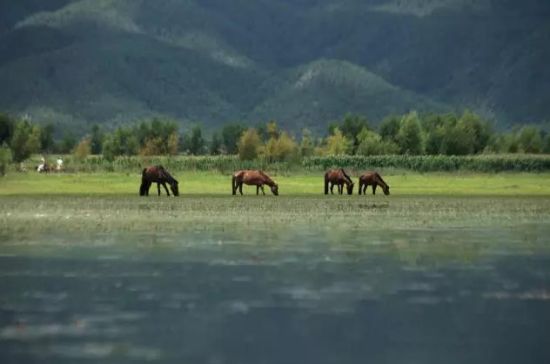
column 334, row 177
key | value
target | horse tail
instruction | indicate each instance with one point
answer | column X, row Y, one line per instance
column 326, row 183
column 143, row 182
column 234, row 184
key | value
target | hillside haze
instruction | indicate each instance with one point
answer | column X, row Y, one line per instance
column 300, row 62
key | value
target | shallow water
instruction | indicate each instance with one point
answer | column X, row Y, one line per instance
column 300, row 293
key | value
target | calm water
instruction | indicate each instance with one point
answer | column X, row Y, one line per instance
column 297, row 295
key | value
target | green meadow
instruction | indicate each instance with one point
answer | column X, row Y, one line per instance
column 214, row 183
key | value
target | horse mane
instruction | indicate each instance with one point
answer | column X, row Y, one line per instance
column 381, row 179
column 166, row 175
column 269, row 180
column 345, row 175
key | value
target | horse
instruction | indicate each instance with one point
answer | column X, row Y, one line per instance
column 340, row 178
column 160, row 176
column 253, row 178
column 372, row 179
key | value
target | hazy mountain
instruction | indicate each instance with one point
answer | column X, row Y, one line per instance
column 301, row 62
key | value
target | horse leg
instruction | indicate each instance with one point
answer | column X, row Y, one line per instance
column 341, row 188
column 374, row 189
column 262, row 187
column 158, row 188
column 165, row 188
column 147, row 187
column 241, row 188
column 257, row 190
column 331, row 188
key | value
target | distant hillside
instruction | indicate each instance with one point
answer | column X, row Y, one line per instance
column 325, row 89
column 301, row 62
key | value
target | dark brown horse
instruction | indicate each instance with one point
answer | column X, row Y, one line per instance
column 253, row 178
column 160, row 176
column 372, row 179
column 340, row 178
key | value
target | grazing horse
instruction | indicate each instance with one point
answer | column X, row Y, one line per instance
column 160, row 176
column 340, row 178
column 372, row 179
column 253, row 178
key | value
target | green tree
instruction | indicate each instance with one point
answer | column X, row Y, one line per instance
column 389, row 128
column 272, row 129
column 7, row 127
column 478, row 131
column 530, row 140
column 436, row 127
column 337, row 144
column 231, row 134
column 370, row 143
column 307, row 145
column 546, row 144
column 196, row 141
column 67, row 143
column 249, row 144
column 5, row 158
column 25, row 141
column 216, row 144
column 122, row 141
column 96, row 139
column 47, row 143
column 351, row 126
column 409, row 137
column 280, row 147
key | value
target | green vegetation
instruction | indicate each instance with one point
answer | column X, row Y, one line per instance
column 431, row 142
column 290, row 184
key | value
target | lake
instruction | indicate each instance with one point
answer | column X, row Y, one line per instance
column 275, row 280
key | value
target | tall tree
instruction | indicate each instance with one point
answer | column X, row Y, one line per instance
column 196, row 142
column 249, row 144
column 25, row 141
column 409, row 137
column 47, row 143
column 7, row 126
column 216, row 144
column 231, row 133
column 96, row 139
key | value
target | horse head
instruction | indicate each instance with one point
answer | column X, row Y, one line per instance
column 174, row 187
column 386, row 190
column 275, row 189
column 349, row 187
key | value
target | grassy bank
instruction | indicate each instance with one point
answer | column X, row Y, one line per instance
column 212, row 183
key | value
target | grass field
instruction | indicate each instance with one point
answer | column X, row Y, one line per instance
column 211, row 183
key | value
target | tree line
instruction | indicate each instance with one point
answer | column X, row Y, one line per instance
column 408, row 134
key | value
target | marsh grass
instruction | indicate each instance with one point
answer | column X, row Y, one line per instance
column 30, row 214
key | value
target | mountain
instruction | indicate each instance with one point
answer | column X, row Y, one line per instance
column 303, row 63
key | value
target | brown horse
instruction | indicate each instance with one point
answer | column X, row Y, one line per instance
column 253, row 178
column 340, row 178
column 160, row 176
column 372, row 179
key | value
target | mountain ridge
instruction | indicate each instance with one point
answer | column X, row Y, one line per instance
column 114, row 61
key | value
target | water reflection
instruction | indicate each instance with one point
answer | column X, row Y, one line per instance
column 279, row 296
